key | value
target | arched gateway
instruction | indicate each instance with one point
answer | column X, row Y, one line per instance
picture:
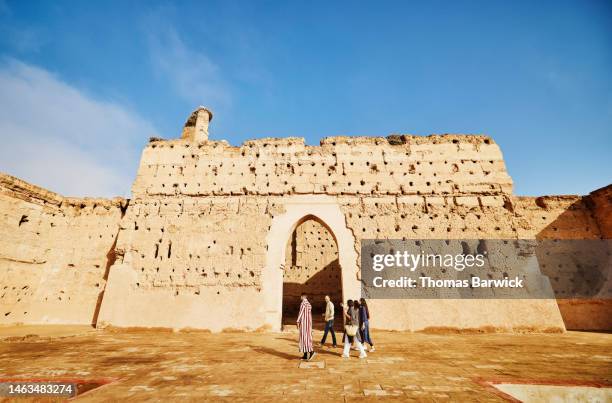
column 299, row 209
column 311, row 267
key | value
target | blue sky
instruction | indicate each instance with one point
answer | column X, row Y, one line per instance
column 83, row 85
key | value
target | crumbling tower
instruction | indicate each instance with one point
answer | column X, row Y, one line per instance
column 196, row 126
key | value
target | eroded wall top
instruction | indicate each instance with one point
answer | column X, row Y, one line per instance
column 395, row 165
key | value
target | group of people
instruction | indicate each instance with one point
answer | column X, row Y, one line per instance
column 356, row 320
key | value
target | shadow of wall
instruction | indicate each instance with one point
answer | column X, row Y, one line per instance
column 325, row 282
column 574, row 251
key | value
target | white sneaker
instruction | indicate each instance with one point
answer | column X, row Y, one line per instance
column 364, row 355
column 345, row 356
column 372, row 349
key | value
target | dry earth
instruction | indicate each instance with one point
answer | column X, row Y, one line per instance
column 161, row 366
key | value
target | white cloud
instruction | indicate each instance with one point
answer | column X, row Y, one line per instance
column 192, row 74
column 58, row 137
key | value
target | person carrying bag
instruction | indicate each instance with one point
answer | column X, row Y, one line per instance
column 351, row 331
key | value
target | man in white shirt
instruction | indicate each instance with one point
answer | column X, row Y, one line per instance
column 329, row 321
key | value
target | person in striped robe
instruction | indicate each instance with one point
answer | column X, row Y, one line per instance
column 304, row 323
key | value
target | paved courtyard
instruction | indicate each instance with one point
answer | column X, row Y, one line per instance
column 160, row 365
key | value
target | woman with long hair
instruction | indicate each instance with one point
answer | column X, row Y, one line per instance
column 357, row 309
column 364, row 324
column 351, row 331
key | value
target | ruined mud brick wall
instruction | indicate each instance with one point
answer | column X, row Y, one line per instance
column 602, row 209
column 192, row 247
column 398, row 165
column 54, row 253
column 447, row 217
column 577, row 218
column 488, row 217
column 215, row 201
column 312, row 267
column 189, row 262
column 598, row 314
column 555, row 217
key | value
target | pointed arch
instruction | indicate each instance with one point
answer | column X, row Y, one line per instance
column 326, row 210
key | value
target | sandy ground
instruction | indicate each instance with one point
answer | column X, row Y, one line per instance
column 44, row 330
column 162, row 366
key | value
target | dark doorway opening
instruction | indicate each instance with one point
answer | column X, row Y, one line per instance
column 311, row 266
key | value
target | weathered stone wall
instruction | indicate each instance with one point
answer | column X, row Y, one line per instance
column 555, row 217
column 193, row 248
column 197, row 204
column 200, row 262
column 447, row 217
column 190, row 262
column 400, row 165
column 596, row 314
column 197, row 226
column 576, row 218
column 54, row 253
column 602, row 210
